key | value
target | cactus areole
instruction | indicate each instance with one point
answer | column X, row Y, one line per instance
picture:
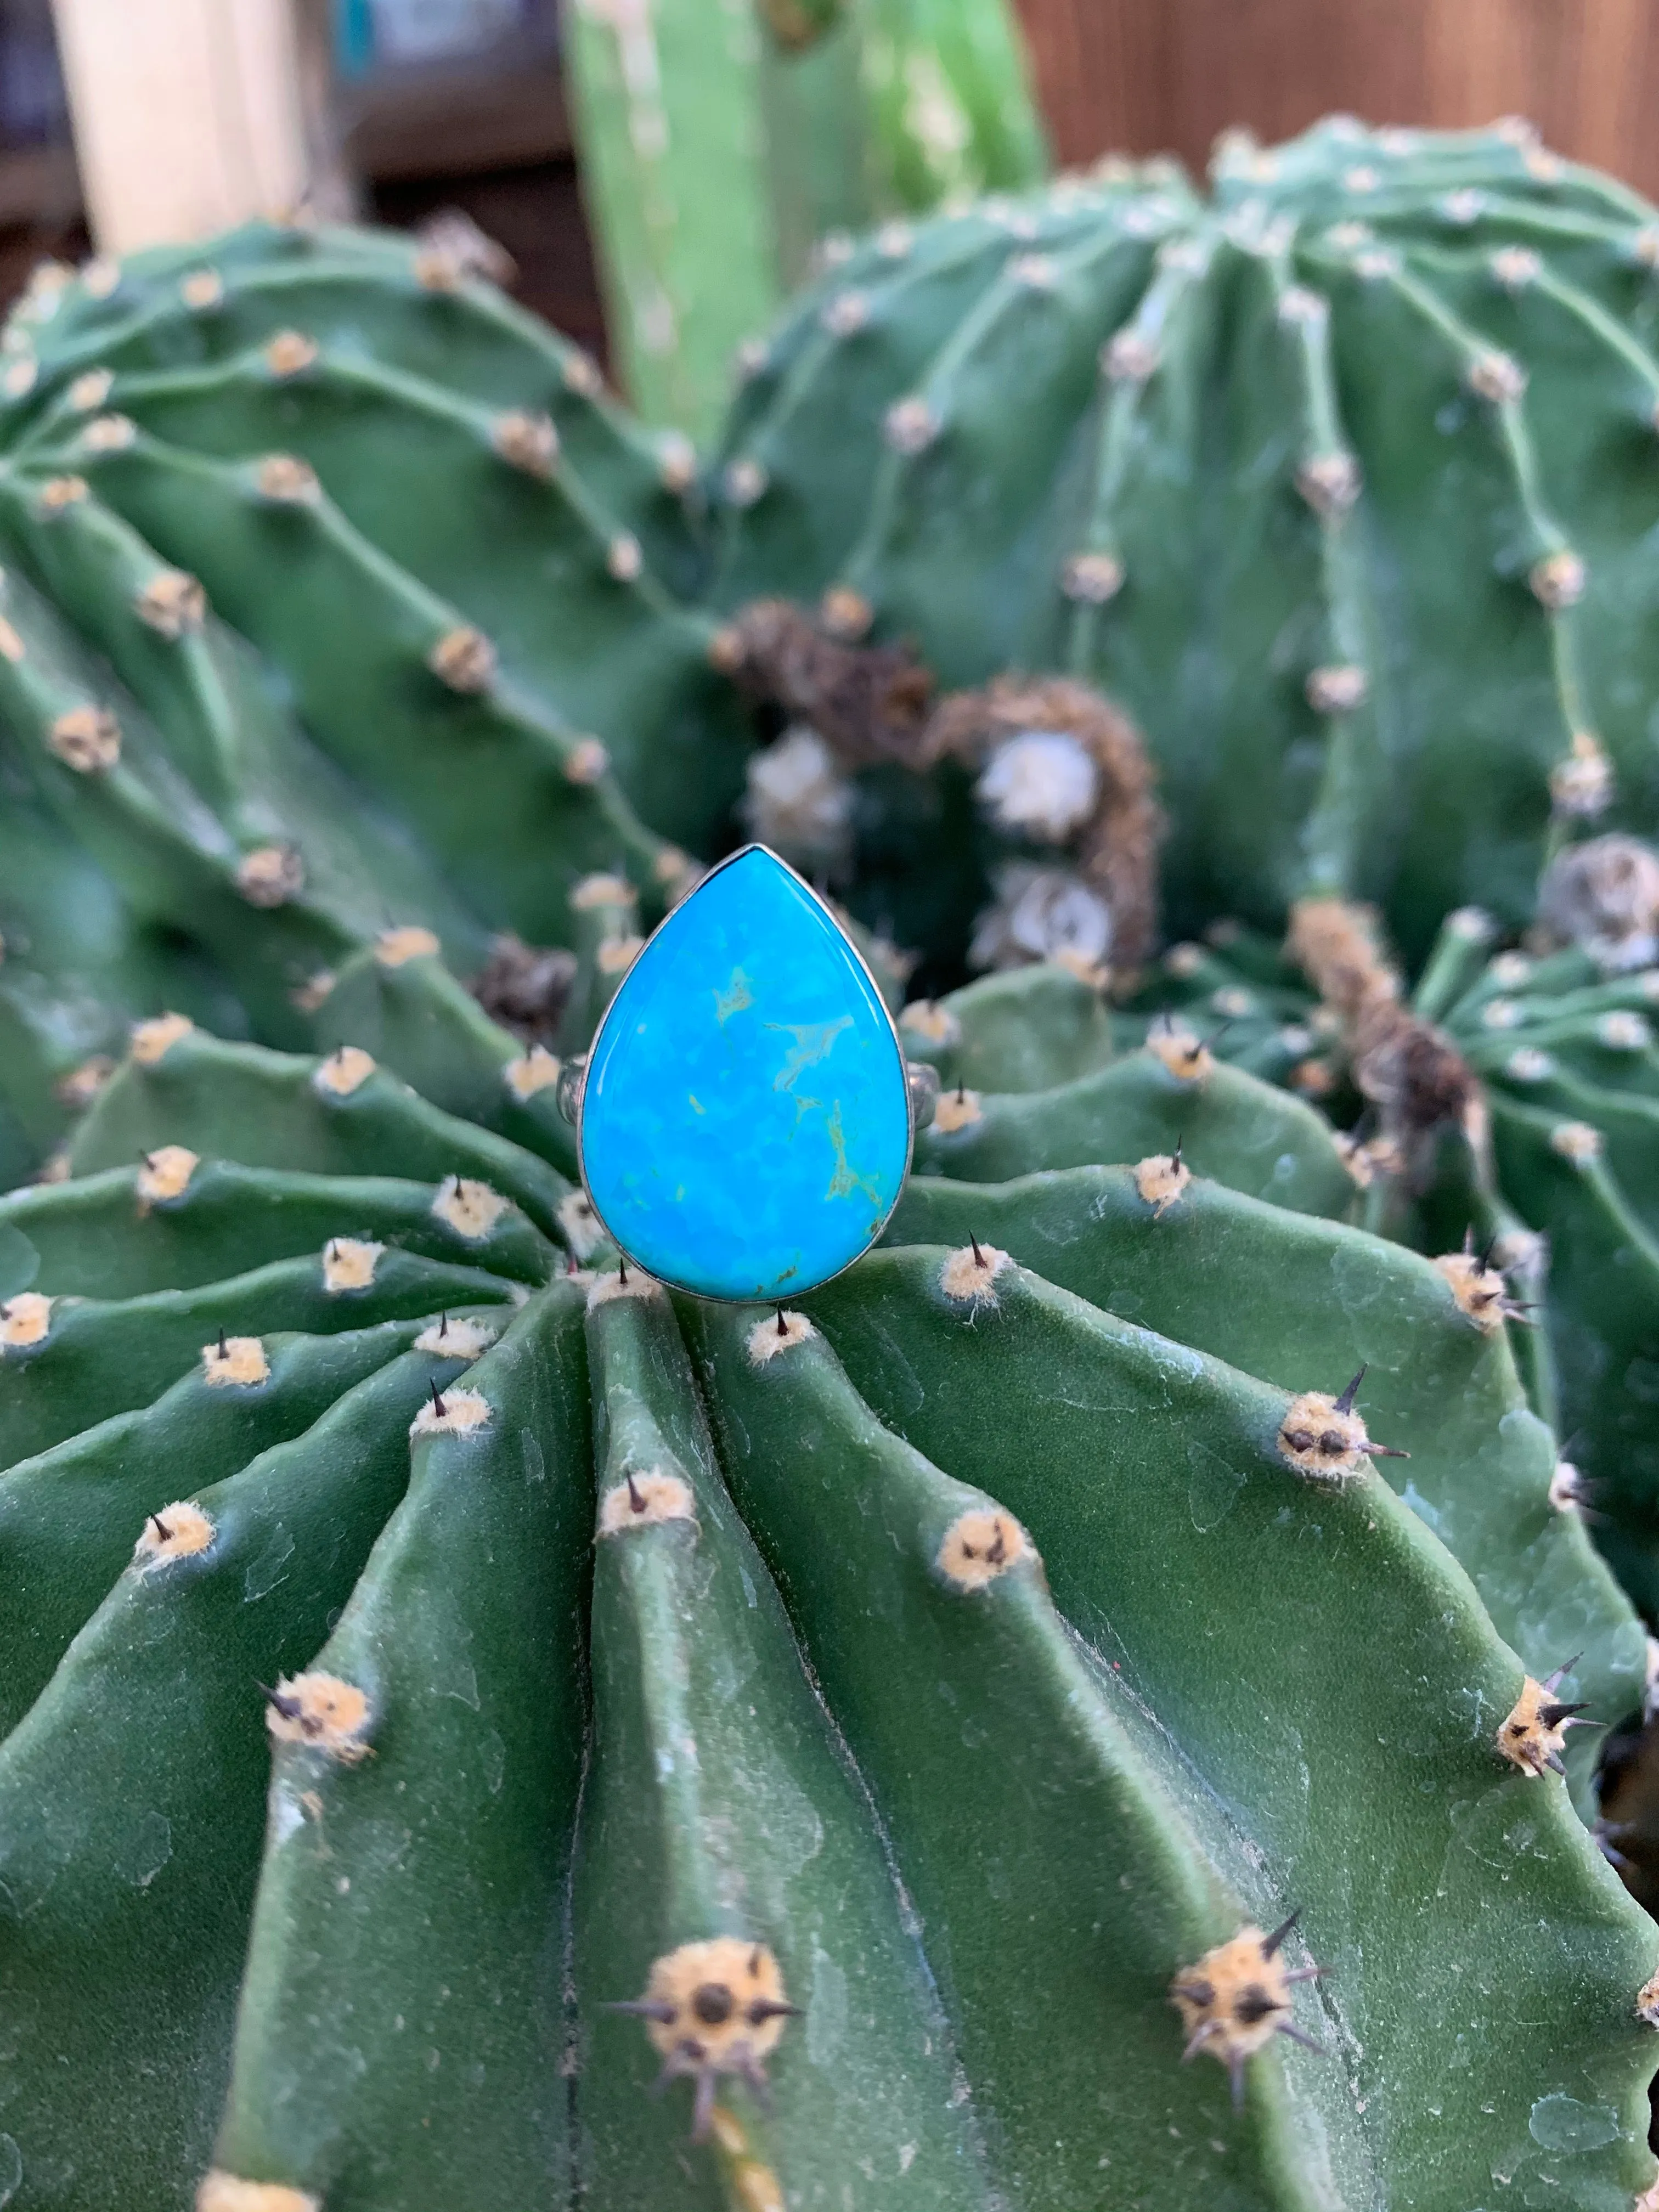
column 1097, row 1705
column 1342, row 480
column 484, row 1728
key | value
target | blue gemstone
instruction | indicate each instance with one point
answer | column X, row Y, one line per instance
column 746, row 1122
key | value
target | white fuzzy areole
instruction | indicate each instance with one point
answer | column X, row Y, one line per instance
column 618, row 954
column 797, row 799
column 288, row 479
column 927, row 1018
column 463, row 659
column 980, row 1544
column 644, row 1501
column 1526, row 1738
column 86, row 739
column 455, row 1336
column 24, row 1320
column 88, row 393
column 533, row 1071
column 588, row 762
column 177, row 1532
column 584, row 1232
column 395, row 946
column 271, row 875
column 152, row 1040
column 289, row 353
column 1481, row 1291
column 780, row 1332
column 969, row 1277
column 601, row 890
column 1559, row 579
column 1161, row 1179
column 349, row 1263
column 1207, row 1996
column 1577, row 1141
column 527, row 441
column 172, row 603
column 1177, row 1047
column 165, row 1173
column 745, row 1973
column 1316, row 1439
column 471, row 1208
column 957, row 1109
column 635, row 1284
column 845, row 612
column 346, row 1069
column 1566, row 1487
column 1042, row 784
column 241, row 1363
column 322, row 1713
column 201, row 289
column 451, row 1414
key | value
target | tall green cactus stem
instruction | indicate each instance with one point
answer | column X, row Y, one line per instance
column 717, row 152
column 1341, row 482
column 476, row 682
column 881, row 1722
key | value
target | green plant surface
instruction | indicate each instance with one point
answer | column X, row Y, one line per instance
column 67, row 1514
column 100, row 1237
column 718, row 156
column 338, row 599
column 340, row 1115
column 1553, row 1173
column 1341, row 482
column 123, row 1963
column 1437, row 1387
column 1026, row 1030
column 950, row 1667
column 1229, row 1125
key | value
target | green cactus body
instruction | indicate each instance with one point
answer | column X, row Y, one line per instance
column 1546, row 1165
column 1342, row 483
column 337, row 598
column 971, row 1672
column 719, row 152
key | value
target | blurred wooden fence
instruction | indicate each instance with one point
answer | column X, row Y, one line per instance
column 1146, row 76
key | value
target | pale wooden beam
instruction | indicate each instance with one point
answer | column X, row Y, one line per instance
column 190, row 115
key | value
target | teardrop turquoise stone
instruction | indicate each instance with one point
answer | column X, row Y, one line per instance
column 746, row 1122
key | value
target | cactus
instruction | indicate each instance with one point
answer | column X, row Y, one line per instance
column 1509, row 1099
column 337, row 599
column 1342, row 482
column 718, row 154
column 898, row 1728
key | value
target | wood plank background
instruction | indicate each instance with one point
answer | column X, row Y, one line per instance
column 1148, row 76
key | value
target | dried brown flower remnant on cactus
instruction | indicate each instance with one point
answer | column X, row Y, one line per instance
column 868, row 703
column 525, row 986
column 1059, row 764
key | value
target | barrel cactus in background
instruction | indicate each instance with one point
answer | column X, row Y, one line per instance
column 718, row 151
column 337, row 599
column 1342, row 482
column 450, row 1686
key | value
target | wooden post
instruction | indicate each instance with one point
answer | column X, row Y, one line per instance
column 192, row 115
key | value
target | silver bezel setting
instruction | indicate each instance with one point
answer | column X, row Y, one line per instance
column 823, row 904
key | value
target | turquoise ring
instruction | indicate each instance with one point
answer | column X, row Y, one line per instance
column 746, row 1116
